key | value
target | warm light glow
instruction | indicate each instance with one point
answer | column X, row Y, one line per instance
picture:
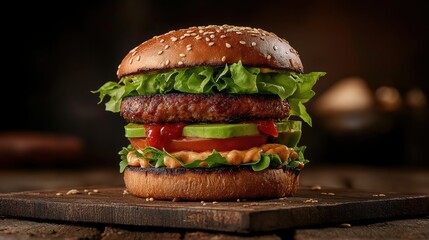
column 347, row 95
column 416, row 98
column 388, row 98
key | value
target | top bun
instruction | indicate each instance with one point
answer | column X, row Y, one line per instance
column 211, row 46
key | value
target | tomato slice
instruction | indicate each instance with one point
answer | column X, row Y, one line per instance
column 206, row 144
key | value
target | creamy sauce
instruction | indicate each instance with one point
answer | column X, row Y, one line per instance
column 233, row 157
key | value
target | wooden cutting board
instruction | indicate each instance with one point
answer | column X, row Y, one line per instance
column 307, row 208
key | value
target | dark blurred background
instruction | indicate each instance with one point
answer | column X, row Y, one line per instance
column 371, row 108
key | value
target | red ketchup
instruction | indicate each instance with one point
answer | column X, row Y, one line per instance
column 159, row 135
column 266, row 126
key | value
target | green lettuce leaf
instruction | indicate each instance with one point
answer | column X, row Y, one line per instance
column 232, row 79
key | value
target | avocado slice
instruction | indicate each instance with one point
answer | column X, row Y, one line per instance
column 220, row 130
column 289, row 133
column 133, row 130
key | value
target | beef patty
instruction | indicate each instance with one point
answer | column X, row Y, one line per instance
column 184, row 107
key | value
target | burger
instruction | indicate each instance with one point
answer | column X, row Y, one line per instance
column 212, row 113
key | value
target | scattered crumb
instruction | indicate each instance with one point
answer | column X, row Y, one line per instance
column 85, row 190
column 95, row 190
column 204, row 204
column 72, row 192
column 379, row 195
column 90, row 193
column 311, row 200
column 345, row 225
column 151, row 199
column 316, row 187
column 214, row 202
column 125, row 192
column 59, row 194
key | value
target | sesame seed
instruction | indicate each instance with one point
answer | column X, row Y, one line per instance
column 160, row 52
column 193, row 34
column 188, row 48
column 186, row 34
column 242, row 42
column 180, row 63
column 119, row 66
column 239, row 33
column 275, row 48
column 166, row 46
column 167, row 62
column 253, row 44
column 198, row 37
column 207, row 39
column 138, row 58
column 201, row 31
column 162, row 40
column 223, row 59
column 189, row 45
column 131, row 60
column 212, row 36
column 182, row 55
column 228, row 45
column 211, row 44
column 182, row 37
column 269, row 57
column 262, row 38
column 222, row 36
column 134, row 53
column 190, row 31
column 173, row 39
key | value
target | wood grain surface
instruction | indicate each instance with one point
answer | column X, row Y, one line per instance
column 307, row 208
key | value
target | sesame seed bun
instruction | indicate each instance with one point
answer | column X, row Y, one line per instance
column 227, row 183
column 211, row 46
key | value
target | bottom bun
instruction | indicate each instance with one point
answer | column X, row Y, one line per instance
column 223, row 183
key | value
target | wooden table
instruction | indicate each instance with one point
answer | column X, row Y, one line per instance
column 354, row 179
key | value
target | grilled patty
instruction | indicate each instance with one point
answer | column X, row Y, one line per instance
column 183, row 107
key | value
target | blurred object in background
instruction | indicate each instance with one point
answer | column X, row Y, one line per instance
column 388, row 99
column 347, row 106
column 39, row 150
column 372, row 127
